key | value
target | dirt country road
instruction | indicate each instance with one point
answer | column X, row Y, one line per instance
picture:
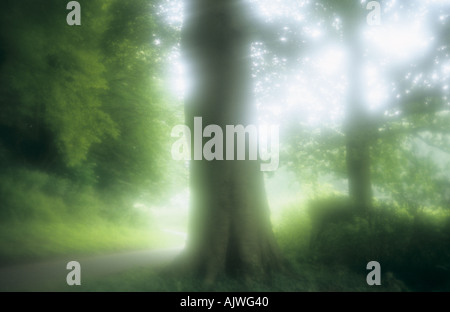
column 51, row 275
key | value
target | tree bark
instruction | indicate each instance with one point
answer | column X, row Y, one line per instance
column 229, row 227
column 358, row 129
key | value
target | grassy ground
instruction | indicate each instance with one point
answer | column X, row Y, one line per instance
column 305, row 277
column 43, row 216
column 34, row 240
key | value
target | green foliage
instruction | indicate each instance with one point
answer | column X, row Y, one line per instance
column 137, row 159
column 293, row 232
column 415, row 247
column 410, row 160
column 86, row 102
column 84, row 125
column 37, row 195
column 314, row 152
column 409, row 157
column 52, row 78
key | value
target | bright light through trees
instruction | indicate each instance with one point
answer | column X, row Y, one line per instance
column 312, row 84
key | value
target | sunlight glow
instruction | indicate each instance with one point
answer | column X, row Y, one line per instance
column 331, row 60
column 269, row 10
column 314, row 89
column 172, row 11
column 180, row 82
column 177, row 74
column 376, row 93
column 399, row 42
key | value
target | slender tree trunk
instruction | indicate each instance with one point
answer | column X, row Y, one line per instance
column 358, row 166
column 229, row 227
column 358, row 128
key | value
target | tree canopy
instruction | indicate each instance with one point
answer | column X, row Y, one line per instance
column 86, row 101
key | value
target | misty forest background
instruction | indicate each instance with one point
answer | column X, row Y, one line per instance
column 87, row 111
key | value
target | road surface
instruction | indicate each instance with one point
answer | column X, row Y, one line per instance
column 51, row 275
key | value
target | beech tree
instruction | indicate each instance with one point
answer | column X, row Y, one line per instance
column 229, row 227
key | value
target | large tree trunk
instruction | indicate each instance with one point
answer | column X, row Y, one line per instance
column 229, row 227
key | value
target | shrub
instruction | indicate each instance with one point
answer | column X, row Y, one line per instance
column 416, row 247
